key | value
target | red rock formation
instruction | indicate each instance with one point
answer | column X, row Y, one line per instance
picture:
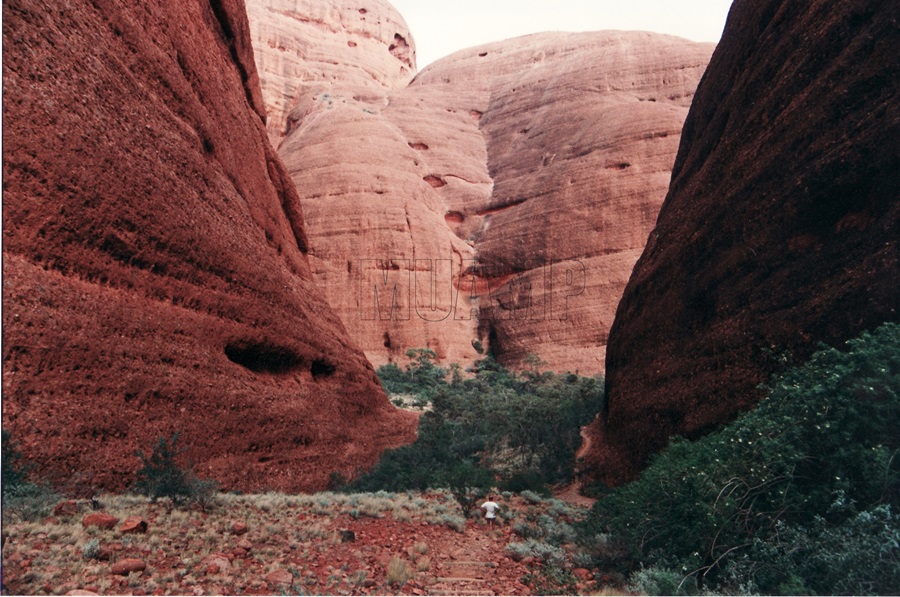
column 483, row 170
column 155, row 277
column 581, row 131
column 311, row 53
column 779, row 231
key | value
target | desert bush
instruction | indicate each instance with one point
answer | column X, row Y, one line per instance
column 528, row 531
column 814, row 464
column 457, row 523
column 556, row 531
column 162, row 476
column 552, row 580
column 423, row 564
column 91, row 549
column 662, row 581
column 398, row 572
column 531, row 497
column 548, row 554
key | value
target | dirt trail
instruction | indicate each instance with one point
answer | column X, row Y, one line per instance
column 572, row 492
column 473, row 563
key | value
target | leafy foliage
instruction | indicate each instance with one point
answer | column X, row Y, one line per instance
column 161, row 476
column 522, row 429
column 800, row 494
column 22, row 499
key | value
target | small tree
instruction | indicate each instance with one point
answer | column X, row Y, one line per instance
column 161, row 476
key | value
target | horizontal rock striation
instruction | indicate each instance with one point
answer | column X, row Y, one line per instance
column 779, row 230
column 154, row 267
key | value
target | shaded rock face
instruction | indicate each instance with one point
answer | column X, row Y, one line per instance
column 500, row 200
column 779, row 230
column 154, row 268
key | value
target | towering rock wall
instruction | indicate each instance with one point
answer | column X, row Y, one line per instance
column 154, row 267
column 780, row 227
column 580, row 132
column 507, row 191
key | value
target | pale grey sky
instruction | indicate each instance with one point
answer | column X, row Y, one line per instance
column 441, row 27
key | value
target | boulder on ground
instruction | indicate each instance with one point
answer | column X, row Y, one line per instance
column 99, row 519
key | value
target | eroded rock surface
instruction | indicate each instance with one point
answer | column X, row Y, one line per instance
column 312, row 54
column 779, row 230
column 505, row 193
column 154, row 268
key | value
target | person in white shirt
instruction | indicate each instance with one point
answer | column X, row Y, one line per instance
column 490, row 507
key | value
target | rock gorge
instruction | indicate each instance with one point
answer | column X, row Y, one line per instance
column 497, row 201
column 155, row 276
column 780, row 229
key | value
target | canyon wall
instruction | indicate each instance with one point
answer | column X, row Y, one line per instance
column 779, row 230
column 498, row 201
column 155, row 277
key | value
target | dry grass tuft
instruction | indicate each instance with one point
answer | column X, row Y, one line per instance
column 398, row 572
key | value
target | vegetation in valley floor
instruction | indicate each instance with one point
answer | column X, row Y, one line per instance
column 799, row 496
column 518, row 431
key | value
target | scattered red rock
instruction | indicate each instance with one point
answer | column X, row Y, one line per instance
column 219, row 561
column 66, row 508
column 127, row 566
column 81, row 592
column 582, row 574
column 134, row 524
column 279, row 577
column 239, row 528
column 99, row 519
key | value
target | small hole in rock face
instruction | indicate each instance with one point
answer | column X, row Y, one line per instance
column 322, row 368
column 263, row 357
column 435, row 181
column 482, row 55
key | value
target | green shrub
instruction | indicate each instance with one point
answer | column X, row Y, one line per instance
column 528, row 531
column 546, row 553
column 21, row 498
column 814, row 463
column 91, row 549
column 14, row 468
column 457, row 523
column 662, row 581
column 29, row 501
column 552, row 580
column 162, row 477
column 531, row 497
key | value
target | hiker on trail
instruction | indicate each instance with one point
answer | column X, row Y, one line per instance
column 490, row 507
